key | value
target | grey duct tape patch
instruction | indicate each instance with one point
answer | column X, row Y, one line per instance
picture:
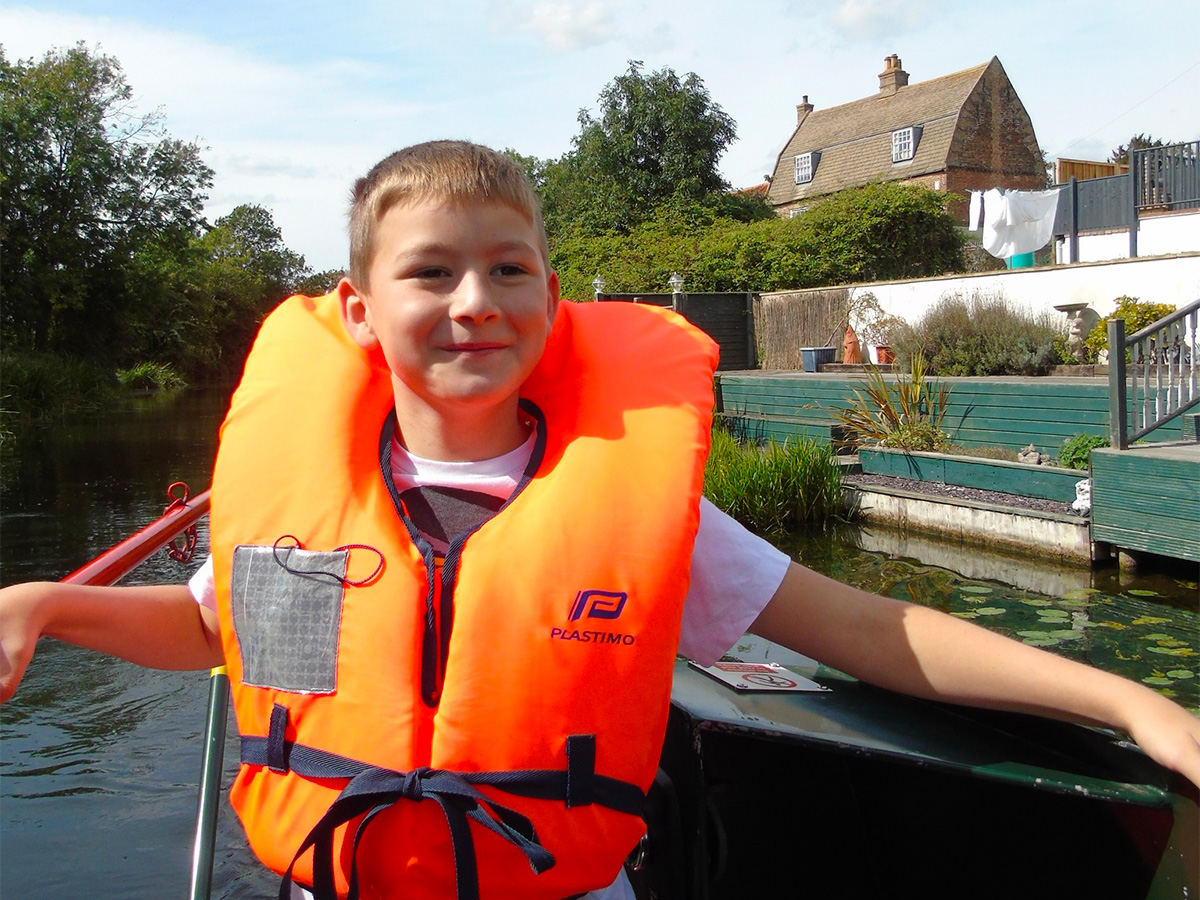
column 288, row 620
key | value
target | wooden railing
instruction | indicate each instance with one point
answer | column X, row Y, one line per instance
column 1159, row 380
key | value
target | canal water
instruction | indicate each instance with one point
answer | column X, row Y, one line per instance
column 99, row 759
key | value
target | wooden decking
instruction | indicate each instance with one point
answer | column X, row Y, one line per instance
column 1147, row 499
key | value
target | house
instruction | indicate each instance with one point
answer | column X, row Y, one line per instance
column 960, row 132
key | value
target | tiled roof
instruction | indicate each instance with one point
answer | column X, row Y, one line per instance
column 855, row 139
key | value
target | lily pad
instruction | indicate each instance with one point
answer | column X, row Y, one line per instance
column 970, row 614
column 1034, row 634
column 1168, row 642
column 1080, row 594
column 1139, row 592
column 1116, row 626
column 1041, row 642
column 1173, row 651
column 1034, row 601
column 1066, row 635
column 974, row 589
column 1150, row 620
column 1154, row 679
column 1157, row 636
column 1180, row 673
column 991, row 611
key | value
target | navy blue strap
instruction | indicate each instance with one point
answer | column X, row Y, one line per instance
column 372, row 789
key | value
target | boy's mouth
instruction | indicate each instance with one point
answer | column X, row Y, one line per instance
column 473, row 346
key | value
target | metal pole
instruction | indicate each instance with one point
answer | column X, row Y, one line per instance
column 1133, row 203
column 203, row 847
column 1117, row 403
column 1074, row 243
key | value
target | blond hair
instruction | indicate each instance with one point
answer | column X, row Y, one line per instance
column 457, row 171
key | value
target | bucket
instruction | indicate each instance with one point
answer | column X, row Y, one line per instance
column 814, row 357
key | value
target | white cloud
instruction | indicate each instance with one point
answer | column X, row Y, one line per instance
column 565, row 26
column 879, row 18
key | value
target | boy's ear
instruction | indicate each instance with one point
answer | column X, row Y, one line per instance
column 356, row 315
column 552, row 295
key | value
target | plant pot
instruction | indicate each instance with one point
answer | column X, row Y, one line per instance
column 884, row 355
column 815, row 357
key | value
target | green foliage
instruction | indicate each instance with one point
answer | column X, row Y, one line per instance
column 776, row 488
column 1137, row 315
column 86, row 184
column 907, row 413
column 904, row 232
column 1076, row 451
column 39, row 386
column 657, row 137
column 150, row 376
column 981, row 334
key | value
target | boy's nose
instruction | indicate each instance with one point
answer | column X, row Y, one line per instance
column 473, row 299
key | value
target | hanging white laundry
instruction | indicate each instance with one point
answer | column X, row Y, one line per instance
column 1018, row 221
column 975, row 212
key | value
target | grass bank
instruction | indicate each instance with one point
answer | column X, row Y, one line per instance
column 774, row 488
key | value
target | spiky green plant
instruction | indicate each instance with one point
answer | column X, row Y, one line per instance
column 907, row 413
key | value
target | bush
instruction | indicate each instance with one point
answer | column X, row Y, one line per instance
column 1137, row 315
column 981, row 334
column 1076, row 451
column 876, row 232
column 40, row 386
column 150, row 376
column 776, row 488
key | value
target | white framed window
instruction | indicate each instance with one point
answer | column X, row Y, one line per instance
column 804, row 168
column 904, row 144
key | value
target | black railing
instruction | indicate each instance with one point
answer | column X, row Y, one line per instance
column 1159, row 179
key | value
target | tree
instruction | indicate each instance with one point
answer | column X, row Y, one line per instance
column 1137, row 142
column 85, row 183
column 249, row 270
column 657, row 137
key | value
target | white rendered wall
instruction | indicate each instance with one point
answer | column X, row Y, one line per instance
column 1157, row 235
column 1164, row 279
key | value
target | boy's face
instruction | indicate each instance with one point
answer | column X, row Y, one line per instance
column 460, row 301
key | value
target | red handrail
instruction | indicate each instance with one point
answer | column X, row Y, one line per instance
column 117, row 561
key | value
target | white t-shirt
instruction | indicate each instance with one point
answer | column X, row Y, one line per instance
column 734, row 572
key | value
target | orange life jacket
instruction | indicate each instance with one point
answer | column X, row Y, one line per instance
column 501, row 712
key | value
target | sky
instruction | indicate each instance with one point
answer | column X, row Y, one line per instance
column 292, row 101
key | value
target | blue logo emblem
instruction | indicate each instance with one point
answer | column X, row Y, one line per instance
column 597, row 605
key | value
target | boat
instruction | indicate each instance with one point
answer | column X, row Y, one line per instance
column 782, row 777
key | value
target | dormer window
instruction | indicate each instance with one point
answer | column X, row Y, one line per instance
column 806, row 164
column 904, row 143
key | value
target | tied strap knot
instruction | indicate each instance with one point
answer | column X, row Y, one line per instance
column 375, row 789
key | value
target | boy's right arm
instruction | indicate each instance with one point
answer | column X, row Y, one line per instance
column 158, row 626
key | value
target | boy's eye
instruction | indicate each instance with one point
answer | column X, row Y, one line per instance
column 431, row 272
column 509, row 269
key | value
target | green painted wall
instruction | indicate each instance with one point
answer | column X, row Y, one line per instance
column 983, row 412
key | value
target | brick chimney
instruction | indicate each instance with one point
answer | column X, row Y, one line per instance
column 892, row 78
column 803, row 108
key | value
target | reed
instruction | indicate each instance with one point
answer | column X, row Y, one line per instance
column 773, row 488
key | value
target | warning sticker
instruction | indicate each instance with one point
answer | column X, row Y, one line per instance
column 758, row 677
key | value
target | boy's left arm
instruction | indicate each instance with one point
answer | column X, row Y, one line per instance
column 920, row 651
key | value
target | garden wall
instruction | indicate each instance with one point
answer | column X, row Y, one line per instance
column 1164, row 279
column 1006, row 412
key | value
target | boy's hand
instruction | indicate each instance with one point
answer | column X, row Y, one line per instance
column 1168, row 733
column 159, row 626
column 20, row 628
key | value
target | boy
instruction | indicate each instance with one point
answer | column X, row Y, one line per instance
column 452, row 518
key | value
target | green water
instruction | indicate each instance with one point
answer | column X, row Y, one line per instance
column 1144, row 626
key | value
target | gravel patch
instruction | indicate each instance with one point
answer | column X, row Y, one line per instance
column 935, row 489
